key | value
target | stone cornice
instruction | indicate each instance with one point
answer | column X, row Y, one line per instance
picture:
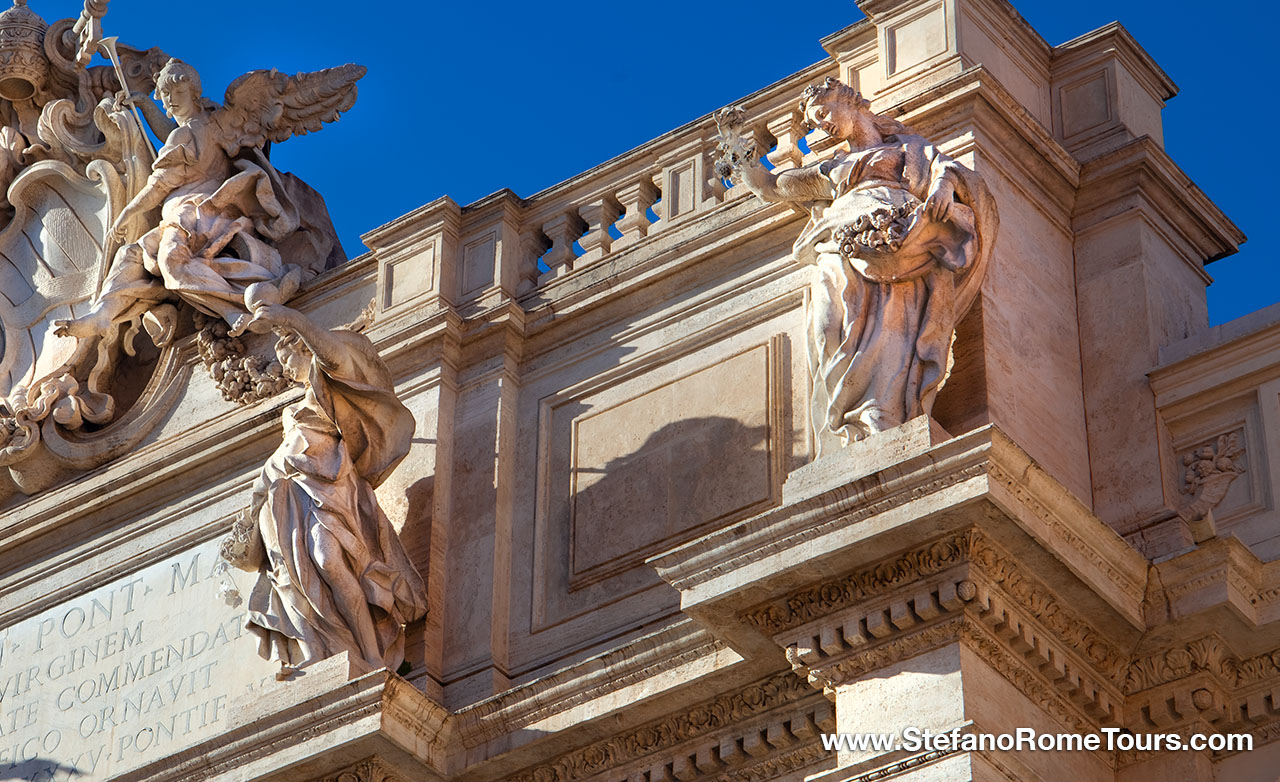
column 1211, row 655
column 1139, row 171
column 901, row 766
column 523, row 706
column 825, row 598
column 1028, row 602
column 405, row 234
column 860, row 33
column 960, row 580
column 806, row 755
column 371, row 769
column 1092, row 551
column 1075, row 701
column 783, row 691
column 1249, row 359
column 835, row 530
column 1114, row 37
column 980, row 573
column 378, row 712
column 1221, row 584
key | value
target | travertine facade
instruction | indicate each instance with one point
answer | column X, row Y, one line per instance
column 637, row 567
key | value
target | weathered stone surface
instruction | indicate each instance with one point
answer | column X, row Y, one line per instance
column 136, row 670
column 637, row 565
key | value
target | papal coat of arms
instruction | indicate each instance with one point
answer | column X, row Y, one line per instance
column 110, row 247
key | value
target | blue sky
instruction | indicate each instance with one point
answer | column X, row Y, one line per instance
column 464, row 98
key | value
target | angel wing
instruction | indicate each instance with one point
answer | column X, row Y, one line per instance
column 263, row 106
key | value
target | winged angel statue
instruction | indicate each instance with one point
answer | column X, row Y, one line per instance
column 107, row 238
column 223, row 208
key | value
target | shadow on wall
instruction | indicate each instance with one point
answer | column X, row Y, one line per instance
column 37, row 769
column 680, row 480
column 961, row 405
column 416, row 537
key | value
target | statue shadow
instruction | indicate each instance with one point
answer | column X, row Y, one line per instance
column 39, row 770
column 687, row 477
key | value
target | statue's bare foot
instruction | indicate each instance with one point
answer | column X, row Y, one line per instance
column 91, row 325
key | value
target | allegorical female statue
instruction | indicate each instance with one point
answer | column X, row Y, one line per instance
column 332, row 574
column 901, row 235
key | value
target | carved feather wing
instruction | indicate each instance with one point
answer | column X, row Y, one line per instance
column 266, row 105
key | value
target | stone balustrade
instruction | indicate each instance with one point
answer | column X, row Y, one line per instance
column 470, row 258
column 638, row 195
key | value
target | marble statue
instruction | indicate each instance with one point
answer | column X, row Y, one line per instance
column 49, row 93
column 900, row 235
column 332, row 575
column 102, row 235
column 71, row 154
column 223, row 208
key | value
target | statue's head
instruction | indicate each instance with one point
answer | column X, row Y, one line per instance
column 841, row 111
column 295, row 357
column 178, row 90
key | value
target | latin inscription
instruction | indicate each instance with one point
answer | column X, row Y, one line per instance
column 125, row 675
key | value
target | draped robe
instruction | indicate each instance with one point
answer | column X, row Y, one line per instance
column 882, row 322
column 340, row 442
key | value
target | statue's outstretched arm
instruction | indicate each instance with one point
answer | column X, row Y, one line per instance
column 151, row 196
column 738, row 159
column 328, row 350
column 810, row 183
column 169, row 172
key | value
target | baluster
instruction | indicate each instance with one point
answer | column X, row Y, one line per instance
column 533, row 243
column 636, row 200
column 788, row 130
column 599, row 215
column 658, row 206
column 563, row 230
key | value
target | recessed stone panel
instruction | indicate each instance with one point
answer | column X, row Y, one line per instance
column 639, row 468
column 477, row 263
column 915, row 40
column 131, row 672
column 1085, row 104
column 407, row 278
